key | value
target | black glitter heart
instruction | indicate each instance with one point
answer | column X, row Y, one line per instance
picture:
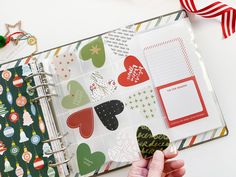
column 107, row 113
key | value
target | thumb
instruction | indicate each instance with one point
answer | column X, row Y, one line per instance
column 156, row 166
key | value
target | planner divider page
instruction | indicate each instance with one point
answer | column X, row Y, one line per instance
column 22, row 126
column 114, row 77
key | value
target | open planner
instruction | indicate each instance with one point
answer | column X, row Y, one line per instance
column 98, row 104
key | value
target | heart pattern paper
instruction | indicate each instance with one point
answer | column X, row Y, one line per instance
column 135, row 72
column 144, row 101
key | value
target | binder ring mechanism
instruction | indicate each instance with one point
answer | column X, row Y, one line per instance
column 41, row 73
column 41, row 85
column 51, row 164
column 44, row 96
column 45, row 84
column 56, row 138
column 59, row 150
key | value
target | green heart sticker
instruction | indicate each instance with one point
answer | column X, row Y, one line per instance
column 77, row 96
column 87, row 161
column 94, row 50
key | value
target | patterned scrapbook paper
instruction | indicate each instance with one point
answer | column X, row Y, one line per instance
column 22, row 128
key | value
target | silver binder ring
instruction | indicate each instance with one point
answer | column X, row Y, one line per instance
column 59, row 150
column 38, row 74
column 41, row 85
column 44, row 96
column 60, row 163
column 56, row 138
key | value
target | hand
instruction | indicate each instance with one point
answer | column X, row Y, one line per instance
column 159, row 166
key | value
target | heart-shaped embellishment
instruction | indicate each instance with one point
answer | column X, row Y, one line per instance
column 94, row 50
column 148, row 143
column 107, row 113
column 135, row 72
column 83, row 120
column 77, row 96
column 87, row 161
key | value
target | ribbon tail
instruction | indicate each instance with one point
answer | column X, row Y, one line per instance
column 227, row 13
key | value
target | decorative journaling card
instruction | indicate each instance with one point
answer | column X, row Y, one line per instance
column 22, row 127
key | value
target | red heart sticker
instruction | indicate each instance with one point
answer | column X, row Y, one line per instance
column 135, row 72
column 83, row 120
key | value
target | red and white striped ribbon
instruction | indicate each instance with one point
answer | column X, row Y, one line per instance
column 227, row 13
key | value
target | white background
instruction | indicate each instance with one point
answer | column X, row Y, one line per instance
column 56, row 22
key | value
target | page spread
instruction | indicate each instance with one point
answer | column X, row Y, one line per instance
column 126, row 93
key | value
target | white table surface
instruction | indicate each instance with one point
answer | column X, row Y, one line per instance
column 56, row 22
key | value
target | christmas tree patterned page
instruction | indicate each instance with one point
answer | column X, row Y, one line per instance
column 22, row 127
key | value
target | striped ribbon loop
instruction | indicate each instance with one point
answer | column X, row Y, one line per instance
column 227, row 13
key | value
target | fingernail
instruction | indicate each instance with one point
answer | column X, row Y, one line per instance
column 171, row 149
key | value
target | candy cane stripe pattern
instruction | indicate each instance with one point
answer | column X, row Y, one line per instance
column 227, row 13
